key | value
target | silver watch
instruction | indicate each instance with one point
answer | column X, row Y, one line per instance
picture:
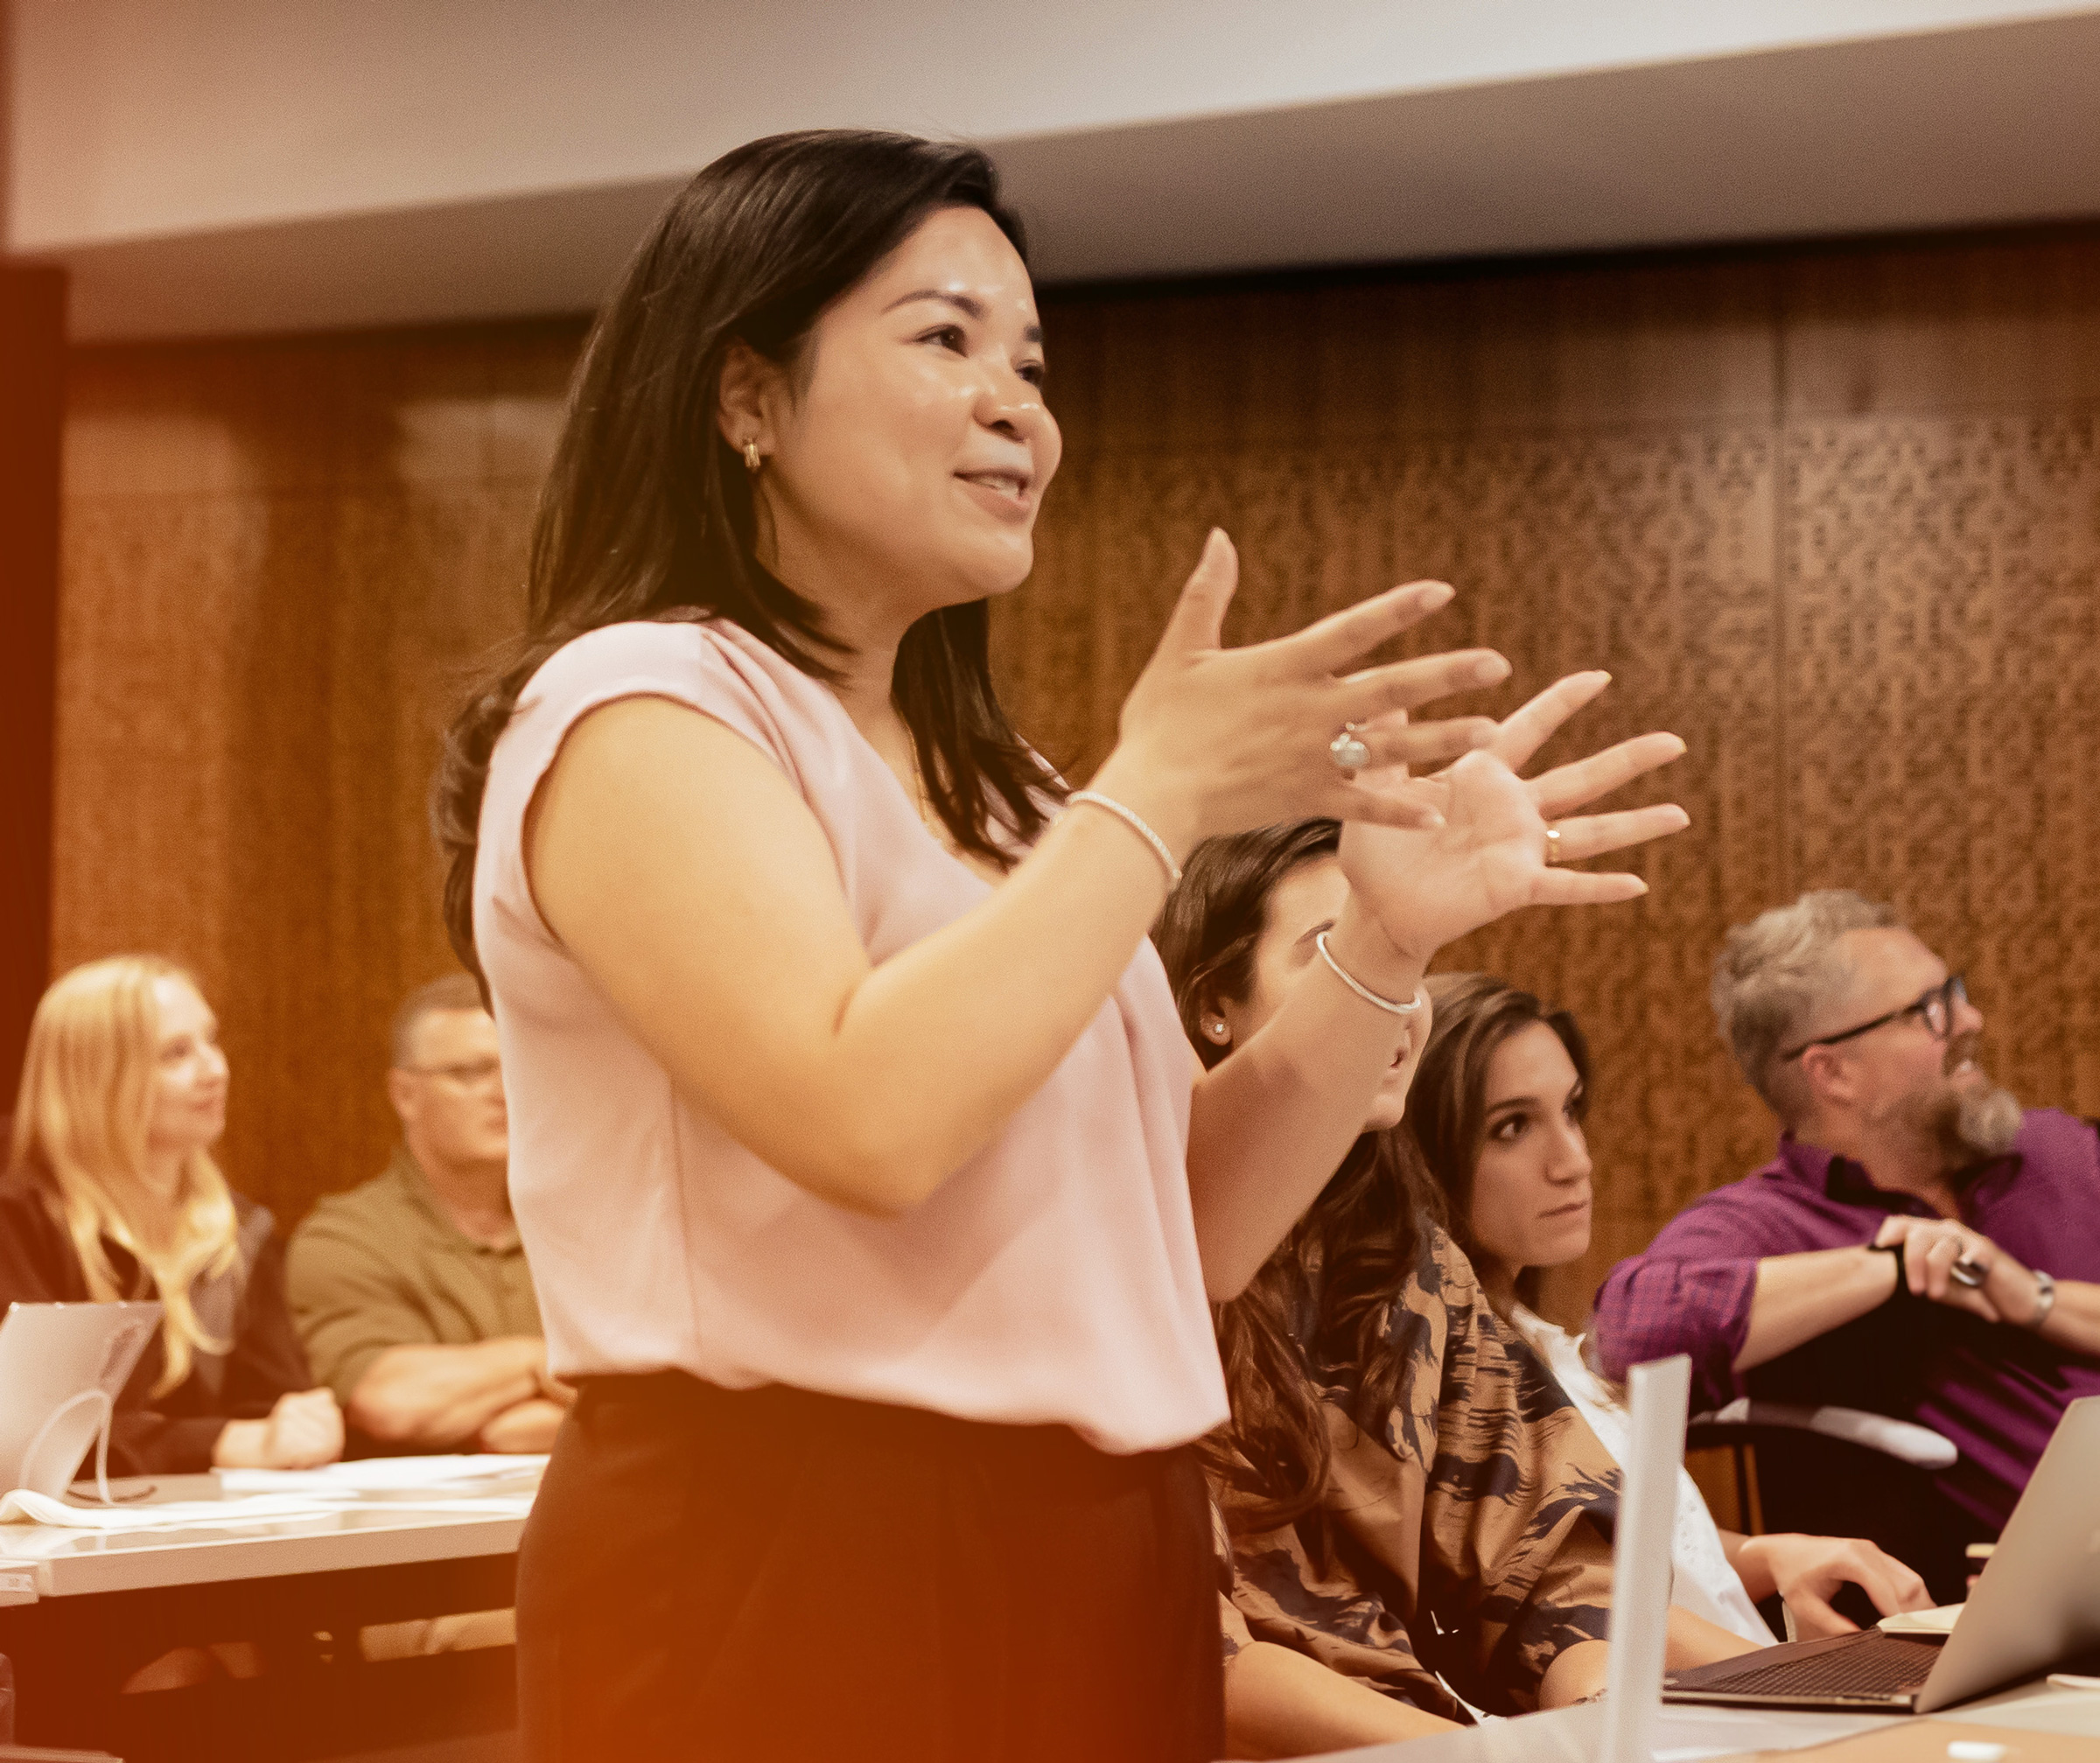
column 2045, row 1297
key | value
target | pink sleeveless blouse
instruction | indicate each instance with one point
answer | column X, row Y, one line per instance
column 1052, row 1277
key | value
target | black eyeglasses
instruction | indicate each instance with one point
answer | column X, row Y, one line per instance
column 1936, row 1005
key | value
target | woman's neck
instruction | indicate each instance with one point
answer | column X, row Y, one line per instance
column 866, row 668
column 1498, row 1280
column 162, row 1175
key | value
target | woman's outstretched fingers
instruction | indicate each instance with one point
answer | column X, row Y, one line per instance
column 1558, row 886
column 1198, row 620
column 1591, row 835
column 1333, row 644
column 1567, row 787
column 1375, row 692
column 1396, row 741
column 1416, row 804
column 1527, row 728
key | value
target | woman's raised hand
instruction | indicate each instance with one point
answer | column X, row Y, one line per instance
column 1216, row 740
column 1428, row 885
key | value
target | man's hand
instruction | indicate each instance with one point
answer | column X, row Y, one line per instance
column 1931, row 1245
column 1806, row 1571
column 529, row 1428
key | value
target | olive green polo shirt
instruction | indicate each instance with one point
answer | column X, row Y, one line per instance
column 384, row 1265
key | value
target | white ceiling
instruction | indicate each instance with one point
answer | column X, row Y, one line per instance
column 208, row 166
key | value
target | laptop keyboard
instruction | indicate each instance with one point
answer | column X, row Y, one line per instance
column 1876, row 1665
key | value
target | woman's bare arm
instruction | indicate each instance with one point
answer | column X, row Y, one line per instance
column 1279, row 1703
column 691, row 882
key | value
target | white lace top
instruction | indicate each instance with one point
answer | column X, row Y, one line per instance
column 1706, row 1584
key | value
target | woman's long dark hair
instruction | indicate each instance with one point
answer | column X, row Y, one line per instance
column 1475, row 1014
column 1320, row 1305
column 648, row 514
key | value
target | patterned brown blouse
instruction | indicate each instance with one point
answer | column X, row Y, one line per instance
column 1470, row 1540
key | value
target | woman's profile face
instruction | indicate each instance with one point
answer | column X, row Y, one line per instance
column 1305, row 902
column 909, row 452
column 1531, row 1184
column 188, row 1110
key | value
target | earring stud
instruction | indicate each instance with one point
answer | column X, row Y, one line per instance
column 752, row 458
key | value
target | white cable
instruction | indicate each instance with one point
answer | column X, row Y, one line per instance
column 101, row 1443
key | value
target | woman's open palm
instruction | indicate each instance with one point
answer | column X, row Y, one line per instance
column 1429, row 886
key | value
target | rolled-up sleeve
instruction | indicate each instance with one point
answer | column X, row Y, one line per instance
column 351, row 1304
column 1690, row 1293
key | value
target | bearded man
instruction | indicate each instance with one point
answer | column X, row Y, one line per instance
column 1921, row 1246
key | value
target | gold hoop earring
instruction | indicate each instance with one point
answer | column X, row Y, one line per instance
column 752, row 459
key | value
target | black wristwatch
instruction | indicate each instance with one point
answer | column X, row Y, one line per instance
column 1902, row 1283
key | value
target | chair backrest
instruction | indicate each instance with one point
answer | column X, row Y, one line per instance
column 1810, row 1481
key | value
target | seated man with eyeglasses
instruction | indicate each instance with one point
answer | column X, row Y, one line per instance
column 1921, row 1246
column 411, row 1292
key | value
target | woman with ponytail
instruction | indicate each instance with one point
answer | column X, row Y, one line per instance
column 111, row 1194
column 871, row 1203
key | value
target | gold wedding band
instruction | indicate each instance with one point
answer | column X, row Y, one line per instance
column 1552, row 844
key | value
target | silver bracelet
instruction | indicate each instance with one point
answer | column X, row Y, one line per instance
column 1131, row 818
column 2045, row 1297
column 1363, row 990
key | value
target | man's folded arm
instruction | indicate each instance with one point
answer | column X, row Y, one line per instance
column 417, row 1394
column 1655, row 1304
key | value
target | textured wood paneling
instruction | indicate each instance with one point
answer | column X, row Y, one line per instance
column 1832, row 515
column 279, row 559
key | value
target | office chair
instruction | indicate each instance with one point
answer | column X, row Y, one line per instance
column 1845, row 1472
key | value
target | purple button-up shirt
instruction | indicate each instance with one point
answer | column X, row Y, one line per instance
column 1996, row 1391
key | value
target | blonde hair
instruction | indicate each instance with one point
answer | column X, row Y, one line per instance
column 1774, row 972
column 80, row 1124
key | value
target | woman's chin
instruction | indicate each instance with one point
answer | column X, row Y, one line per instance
column 1563, row 1248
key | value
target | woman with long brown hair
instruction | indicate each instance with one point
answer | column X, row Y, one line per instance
column 853, row 1138
column 1408, row 1497
column 1498, row 1110
column 111, row 1193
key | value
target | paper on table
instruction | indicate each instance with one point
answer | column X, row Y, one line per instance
column 377, row 1475
column 1939, row 1622
column 23, row 1506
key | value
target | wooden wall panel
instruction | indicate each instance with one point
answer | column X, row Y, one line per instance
column 280, row 558
column 1832, row 515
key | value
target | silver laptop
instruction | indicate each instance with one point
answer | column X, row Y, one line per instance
column 62, row 1366
column 2036, row 1605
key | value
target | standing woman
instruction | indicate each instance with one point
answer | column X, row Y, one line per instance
column 852, row 1134
column 111, row 1193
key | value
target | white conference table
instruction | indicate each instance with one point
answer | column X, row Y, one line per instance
column 81, row 1609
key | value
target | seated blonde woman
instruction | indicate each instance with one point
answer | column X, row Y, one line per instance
column 1497, row 1108
column 1419, row 1516
column 111, row 1194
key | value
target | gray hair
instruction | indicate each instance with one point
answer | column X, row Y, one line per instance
column 1771, row 974
column 454, row 991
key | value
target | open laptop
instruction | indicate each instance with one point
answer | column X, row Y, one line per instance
column 2036, row 1605
column 62, row 1366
